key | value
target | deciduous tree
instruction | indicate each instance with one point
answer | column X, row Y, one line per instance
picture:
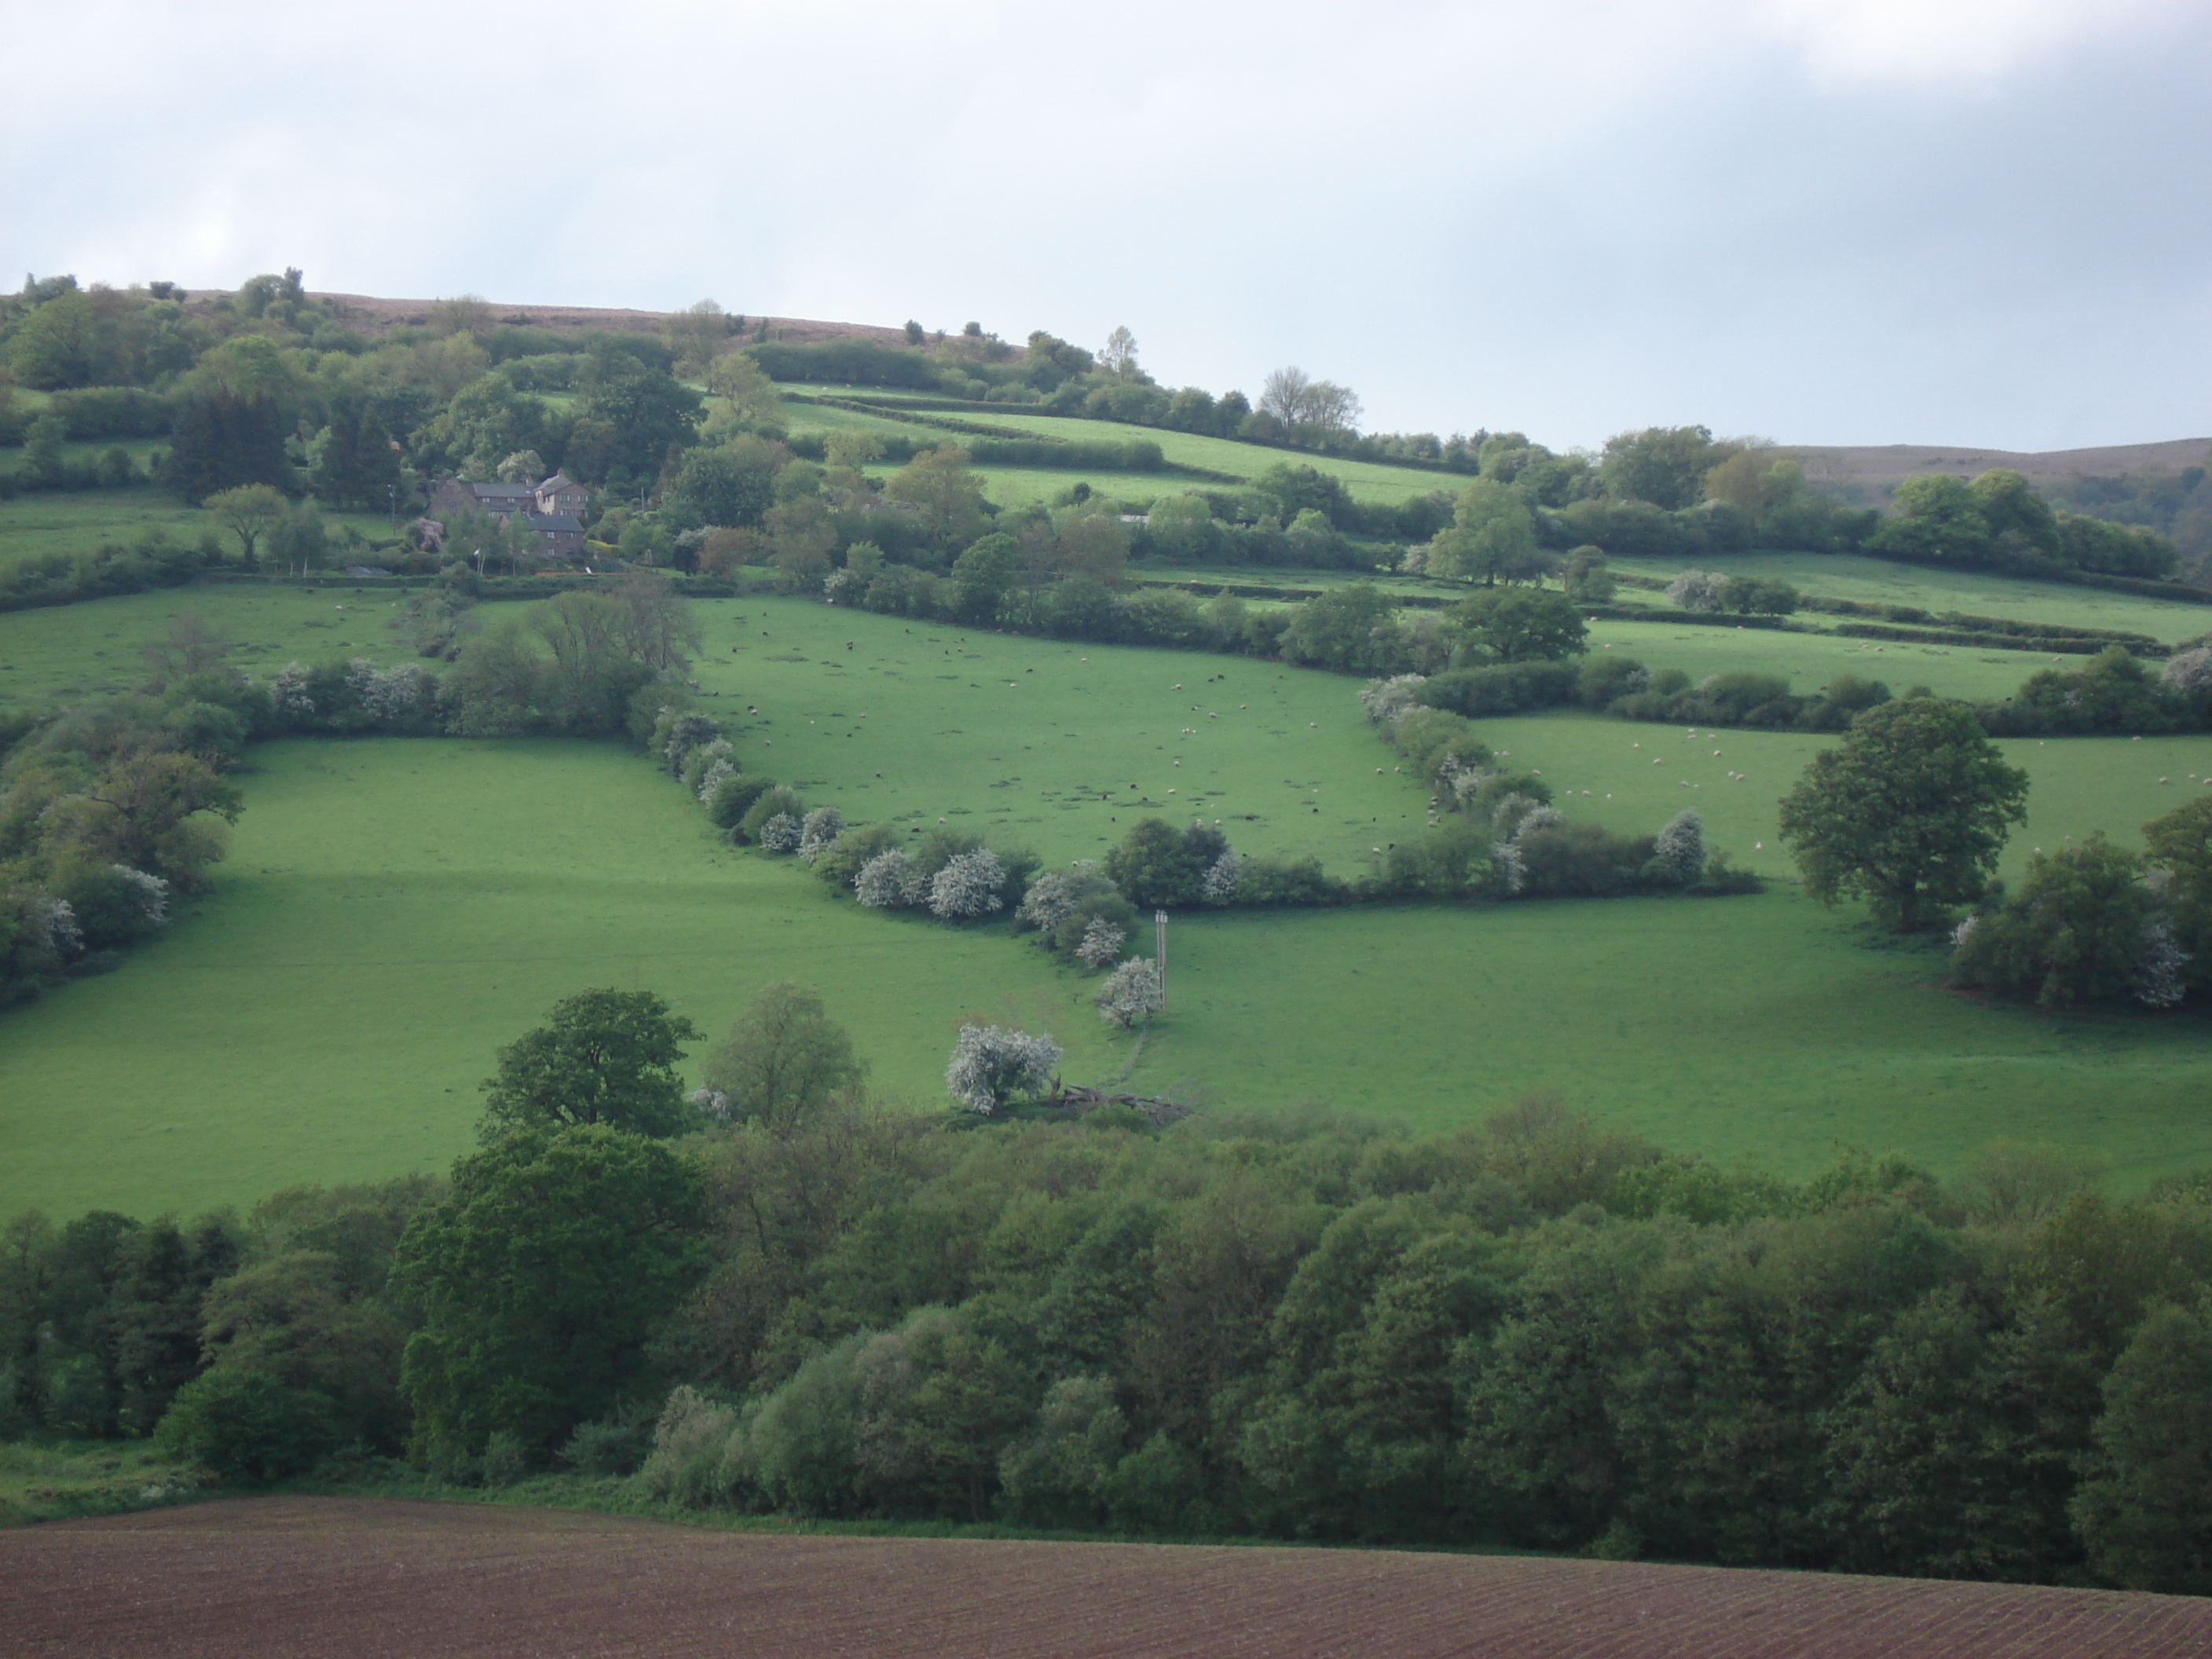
column 1909, row 809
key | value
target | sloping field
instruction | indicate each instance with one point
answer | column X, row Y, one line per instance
column 1882, row 465
column 329, row 1577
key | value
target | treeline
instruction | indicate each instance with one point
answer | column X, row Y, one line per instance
column 1539, row 1332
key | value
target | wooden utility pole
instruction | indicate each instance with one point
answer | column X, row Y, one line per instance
column 1160, row 953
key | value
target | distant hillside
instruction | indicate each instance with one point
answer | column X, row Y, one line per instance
column 1875, row 468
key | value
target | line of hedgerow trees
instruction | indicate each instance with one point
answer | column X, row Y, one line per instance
column 776, row 1297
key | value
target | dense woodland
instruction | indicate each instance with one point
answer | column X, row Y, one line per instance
column 1534, row 1332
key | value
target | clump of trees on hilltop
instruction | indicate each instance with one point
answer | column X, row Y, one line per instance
column 776, row 1298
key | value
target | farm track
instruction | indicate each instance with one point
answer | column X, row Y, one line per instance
column 333, row 1577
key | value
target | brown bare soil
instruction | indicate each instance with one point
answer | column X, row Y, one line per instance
column 332, row 1578
column 1877, row 466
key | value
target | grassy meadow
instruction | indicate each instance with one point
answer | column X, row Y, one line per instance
column 1366, row 481
column 394, row 910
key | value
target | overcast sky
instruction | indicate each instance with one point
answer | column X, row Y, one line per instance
column 1981, row 221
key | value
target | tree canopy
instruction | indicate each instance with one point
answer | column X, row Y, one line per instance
column 1909, row 809
column 604, row 1057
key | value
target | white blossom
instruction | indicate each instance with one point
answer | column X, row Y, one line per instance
column 1049, row 901
column 1102, row 942
column 711, row 779
column 288, row 694
column 711, row 1103
column 1131, row 991
column 1512, row 869
column 1681, row 846
column 991, row 1065
column 823, row 826
column 1221, row 878
column 781, row 834
column 2189, row 671
column 1388, row 700
column 153, row 893
column 1696, row 590
column 55, row 923
column 887, row 881
column 685, row 733
column 2159, row 982
column 1964, row 932
column 968, row 885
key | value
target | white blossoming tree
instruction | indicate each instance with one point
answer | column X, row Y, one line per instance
column 887, row 881
column 1131, row 992
column 1680, row 847
column 781, row 834
column 820, row 828
column 1102, row 942
column 992, row 1065
column 970, row 885
column 1222, row 877
column 1388, row 700
column 1696, row 590
column 288, row 694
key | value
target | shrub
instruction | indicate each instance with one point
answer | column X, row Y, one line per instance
column 733, row 797
column 1602, row 679
column 1157, row 864
column 1580, row 860
column 2084, row 927
column 839, row 863
column 776, row 801
column 1131, row 991
column 246, row 1425
column 992, row 1064
column 505, row 1462
column 819, row 831
column 970, row 885
column 1101, row 943
column 887, row 881
column 1678, row 850
column 1502, row 687
column 687, row 1443
column 609, row 1446
column 780, row 833
column 1697, row 590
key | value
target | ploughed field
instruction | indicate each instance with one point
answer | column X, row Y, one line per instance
column 326, row 1577
column 394, row 910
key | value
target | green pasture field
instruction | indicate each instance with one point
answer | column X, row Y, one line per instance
column 1849, row 576
column 1368, row 481
column 77, row 521
column 91, row 649
column 1809, row 661
column 394, row 910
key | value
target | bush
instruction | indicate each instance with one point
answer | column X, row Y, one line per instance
column 2084, row 927
column 246, row 1425
column 969, row 884
column 1580, row 861
column 733, row 797
column 504, row 1460
column 991, row 1065
column 839, row 863
column 1131, row 991
column 773, row 802
column 610, row 1446
column 1502, row 687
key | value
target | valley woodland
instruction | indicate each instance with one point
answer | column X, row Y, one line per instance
column 780, row 1299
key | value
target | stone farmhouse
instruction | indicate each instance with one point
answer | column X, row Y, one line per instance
column 554, row 508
